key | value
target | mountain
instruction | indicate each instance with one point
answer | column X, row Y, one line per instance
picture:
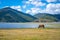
column 11, row 15
column 57, row 16
column 45, row 17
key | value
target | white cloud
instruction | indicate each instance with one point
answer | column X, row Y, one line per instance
column 24, row 6
column 53, row 8
column 51, row 1
column 50, row 8
column 27, row 2
column 28, row 11
column 16, row 7
column 35, row 2
column 33, row 11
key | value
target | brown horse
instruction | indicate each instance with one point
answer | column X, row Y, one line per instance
column 41, row 26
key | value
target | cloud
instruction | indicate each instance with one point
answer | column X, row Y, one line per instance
column 27, row 2
column 24, row 6
column 35, row 2
column 50, row 8
column 28, row 11
column 53, row 8
column 51, row 1
column 16, row 7
column 33, row 6
column 33, row 11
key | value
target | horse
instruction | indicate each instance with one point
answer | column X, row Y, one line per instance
column 41, row 26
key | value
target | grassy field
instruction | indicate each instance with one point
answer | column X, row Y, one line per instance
column 30, row 34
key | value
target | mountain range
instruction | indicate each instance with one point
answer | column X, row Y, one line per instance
column 11, row 15
column 45, row 17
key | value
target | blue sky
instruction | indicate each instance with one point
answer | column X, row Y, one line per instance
column 33, row 6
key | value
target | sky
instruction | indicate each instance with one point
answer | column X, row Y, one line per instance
column 33, row 6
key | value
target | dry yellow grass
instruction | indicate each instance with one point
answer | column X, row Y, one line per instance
column 29, row 34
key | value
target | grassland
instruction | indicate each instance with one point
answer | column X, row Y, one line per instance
column 30, row 34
